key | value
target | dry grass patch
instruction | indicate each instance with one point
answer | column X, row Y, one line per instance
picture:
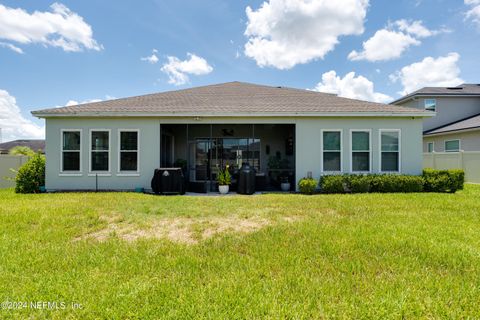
column 187, row 230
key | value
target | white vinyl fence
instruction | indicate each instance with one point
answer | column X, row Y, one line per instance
column 8, row 162
column 469, row 161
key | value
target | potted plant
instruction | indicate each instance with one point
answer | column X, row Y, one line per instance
column 284, row 183
column 224, row 179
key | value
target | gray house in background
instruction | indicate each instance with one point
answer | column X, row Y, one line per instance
column 282, row 132
column 456, row 125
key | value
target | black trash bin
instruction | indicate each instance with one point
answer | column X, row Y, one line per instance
column 246, row 179
column 168, row 181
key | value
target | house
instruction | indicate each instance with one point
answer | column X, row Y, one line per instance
column 456, row 125
column 36, row 145
column 281, row 132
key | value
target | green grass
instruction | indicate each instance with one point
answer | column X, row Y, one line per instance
column 344, row 256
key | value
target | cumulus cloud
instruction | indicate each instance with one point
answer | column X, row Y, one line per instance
column 14, row 125
column 430, row 72
column 284, row 33
column 151, row 59
column 350, row 87
column 390, row 43
column 11, row 47
column 59, row 27
column 178, row 71
column 75, row 102
column 473, row 13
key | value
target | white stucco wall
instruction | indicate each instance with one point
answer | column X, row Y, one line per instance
column 307, row 144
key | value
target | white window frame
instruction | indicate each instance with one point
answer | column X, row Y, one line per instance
column 129, row 173
column 369, row 151
column 69, row 173
column 399, row 149
column 425, row 102
column 433, row 147
column 322, row 151
column 100, row 173
column 459, row 145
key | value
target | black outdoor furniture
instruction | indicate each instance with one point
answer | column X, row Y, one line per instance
column 246, row 179
column 168, row 181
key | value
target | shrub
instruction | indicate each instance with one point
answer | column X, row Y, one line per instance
column 443, row 180
column 359, row 183
column 332, row 184
column 307, row 185
column 21, row 151
column 31, row 175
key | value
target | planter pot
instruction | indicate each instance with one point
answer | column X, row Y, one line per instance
column 223, row 189
column 285, row 186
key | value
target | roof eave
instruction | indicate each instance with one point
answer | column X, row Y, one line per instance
column 422, row 114
column 416, row 95
column 427, row 134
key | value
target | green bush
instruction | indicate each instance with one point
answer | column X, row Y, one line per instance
column 332, row 184
column 31, row 175
column 443, row 180
column 307, row 185
column 371, row 183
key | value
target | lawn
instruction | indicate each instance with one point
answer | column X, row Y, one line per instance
column 127, row 255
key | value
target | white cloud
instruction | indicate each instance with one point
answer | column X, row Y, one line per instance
column 430, row 72
column 178, row 70
column 13, row 124
column 75, row 102
column 11, row 47
column 350, row 87
column 284, row 33
column 151, row 59
column 390, row 43
column 58, row 28
column 473, row 13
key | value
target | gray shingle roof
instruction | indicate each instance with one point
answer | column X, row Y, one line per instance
column 464, row 124
column 229, row 99
column 35, row 145
column 466, row 89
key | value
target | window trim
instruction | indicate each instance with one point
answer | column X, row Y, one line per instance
column 128, row 173
column 322, row 151
column 445, row 145
column 425, row 102
column 369, row 151
column 106, row 172
column 399, row 149
column 433, row 147
column 71, row 173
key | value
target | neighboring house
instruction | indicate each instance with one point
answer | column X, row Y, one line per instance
column 456, row 125
column 35, row 145
column 279, row 131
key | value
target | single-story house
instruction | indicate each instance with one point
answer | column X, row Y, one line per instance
column 281, row 132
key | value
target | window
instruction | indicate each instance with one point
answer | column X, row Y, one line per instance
column 332, row 150
column 452, row 145
column 390, row 150
column 128, row 150
column 71, row 150
column 360, row 157
column 430, row 147
column 99, row 150
column 430, row 104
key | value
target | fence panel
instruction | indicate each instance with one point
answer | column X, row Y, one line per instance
column 469, row 161
column 8, row 162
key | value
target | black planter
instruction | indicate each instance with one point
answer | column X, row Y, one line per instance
column 246, row 179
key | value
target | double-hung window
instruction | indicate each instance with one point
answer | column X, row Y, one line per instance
column 71, row 150
column 128, row 157
column 390, row 150
column 331, row 150
column 360, row 152
column 99, row 150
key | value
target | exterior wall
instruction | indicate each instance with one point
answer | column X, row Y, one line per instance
column 469, row 141
column 449, row 109
column 8, row 162
column 149, row 153
column 307, row 146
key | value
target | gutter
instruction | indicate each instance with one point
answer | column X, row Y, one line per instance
column 451, row 132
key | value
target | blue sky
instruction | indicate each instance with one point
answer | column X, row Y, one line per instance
column 96, row 51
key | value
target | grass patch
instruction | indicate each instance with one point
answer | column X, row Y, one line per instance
column 268, row 256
